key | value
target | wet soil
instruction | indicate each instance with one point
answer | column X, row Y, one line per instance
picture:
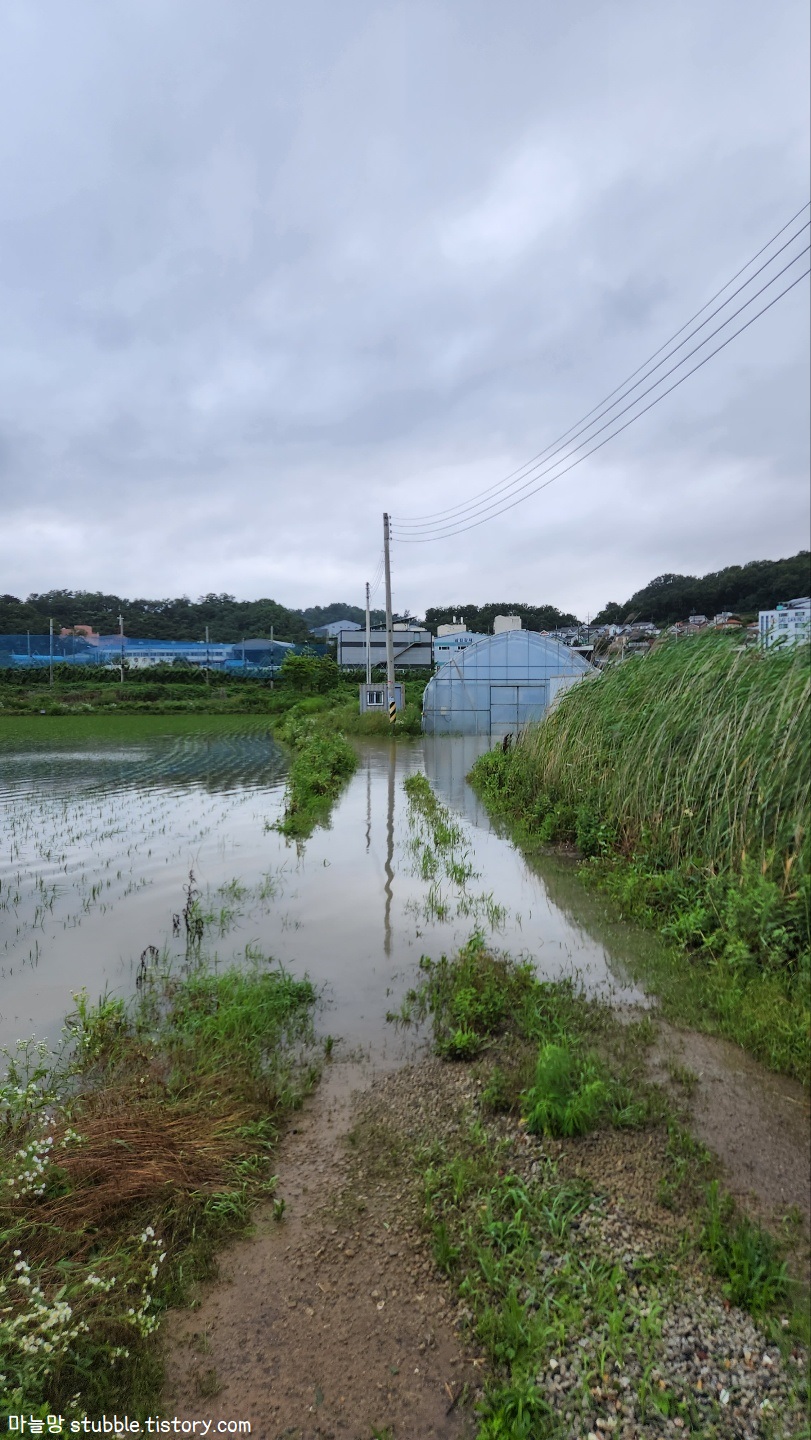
column 756, row 1123
column 334, row 1321
column 327, row 1323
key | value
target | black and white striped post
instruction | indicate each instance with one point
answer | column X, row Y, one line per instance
column 389, row 637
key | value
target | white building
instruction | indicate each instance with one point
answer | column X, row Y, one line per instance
column 504, row 623
column 329, row 632
column 450, row 639
column 786, row 625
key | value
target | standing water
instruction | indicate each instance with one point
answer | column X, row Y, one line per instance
column 100, row 839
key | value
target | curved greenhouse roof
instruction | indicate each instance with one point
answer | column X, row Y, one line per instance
column 499, row 685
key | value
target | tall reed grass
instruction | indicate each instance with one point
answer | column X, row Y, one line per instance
column 686, row 775
column 697, row 752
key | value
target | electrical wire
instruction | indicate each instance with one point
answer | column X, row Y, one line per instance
column 469, row 507
column 405, row 539
column 551, row 463
column 509, row 483
column 374, row 584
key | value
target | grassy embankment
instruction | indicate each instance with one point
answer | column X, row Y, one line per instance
column 124, row 1161
column 683, row 778
column 567, row 1290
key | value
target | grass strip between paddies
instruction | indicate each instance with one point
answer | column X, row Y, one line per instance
column 124, row 1161
column 684, row 780
column 321, row 765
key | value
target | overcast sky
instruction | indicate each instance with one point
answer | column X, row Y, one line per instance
column 269, row 269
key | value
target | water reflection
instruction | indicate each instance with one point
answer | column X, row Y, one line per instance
column 389, row 867
column 448, row 762
column 93, row 873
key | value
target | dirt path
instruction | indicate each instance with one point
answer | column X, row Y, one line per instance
column 328, row 1323
column 756, row 1123
column 334, row 1321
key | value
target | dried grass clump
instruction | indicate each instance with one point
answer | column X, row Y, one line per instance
column 133, row 1160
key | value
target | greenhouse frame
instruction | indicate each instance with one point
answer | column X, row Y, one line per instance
column 499, row 685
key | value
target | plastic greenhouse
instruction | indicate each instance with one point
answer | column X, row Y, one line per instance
column 499, row 685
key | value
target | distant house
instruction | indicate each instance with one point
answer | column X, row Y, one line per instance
column 787, row 624
column 86, row 631
column 329, row 632
column 697, row 620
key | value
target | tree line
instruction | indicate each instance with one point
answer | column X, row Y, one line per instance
column 229, row 620
column 740, row 589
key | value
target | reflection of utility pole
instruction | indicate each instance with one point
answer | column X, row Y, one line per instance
column 368, row 638
column 389, row 636
column 389, row 866
column 368, row 802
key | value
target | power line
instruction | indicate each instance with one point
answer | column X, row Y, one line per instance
column 470, row 508
column 503, row 487
column 374, row 584
column 551, row 463
column 425, row 539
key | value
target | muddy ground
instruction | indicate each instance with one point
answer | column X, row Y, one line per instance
column 333, row 1321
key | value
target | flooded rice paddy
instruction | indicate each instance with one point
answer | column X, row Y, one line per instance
column 100, row 835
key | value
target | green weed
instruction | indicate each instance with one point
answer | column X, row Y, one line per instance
column 744, row 1255
column 569, row 1096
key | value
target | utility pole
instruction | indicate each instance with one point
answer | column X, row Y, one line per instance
column 51, row 652
column 208, row 678
column 121, row 661
column 272, row 663
column 389, row 637
column 368, row 639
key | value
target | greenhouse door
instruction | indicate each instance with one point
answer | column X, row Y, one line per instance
column 514, row 706
column 532, row 702
column 503, row 709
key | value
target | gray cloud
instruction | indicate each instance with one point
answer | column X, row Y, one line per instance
column 266, row 271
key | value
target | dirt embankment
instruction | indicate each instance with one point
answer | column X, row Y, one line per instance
column 334, row 1321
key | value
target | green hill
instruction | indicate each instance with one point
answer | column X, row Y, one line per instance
column 742, row 589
